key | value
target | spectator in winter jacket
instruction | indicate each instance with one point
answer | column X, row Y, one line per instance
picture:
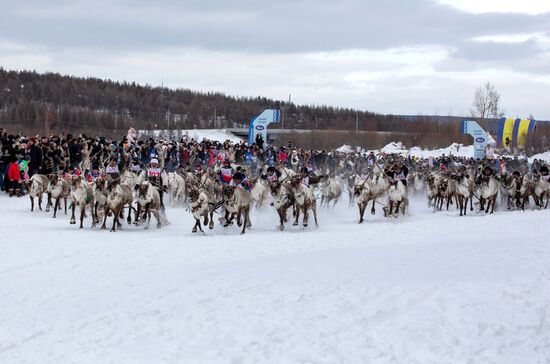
column 14, row 178
column 35, row 152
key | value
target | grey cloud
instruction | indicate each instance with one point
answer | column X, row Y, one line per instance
column 253, row 26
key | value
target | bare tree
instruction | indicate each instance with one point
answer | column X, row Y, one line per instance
column 486, row 102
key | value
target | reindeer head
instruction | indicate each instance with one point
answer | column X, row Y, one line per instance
column 358, row 189
column 193, row 194
column 53, row 178
column 75, row 181
column 275, row 188
column 143, row 189
column 228, row 192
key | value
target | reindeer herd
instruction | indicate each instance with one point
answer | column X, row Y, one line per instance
column 204, row 195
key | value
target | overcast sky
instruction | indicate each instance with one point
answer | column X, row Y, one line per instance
column 388, row 56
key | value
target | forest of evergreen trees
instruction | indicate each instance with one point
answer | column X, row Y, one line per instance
column 45, row 103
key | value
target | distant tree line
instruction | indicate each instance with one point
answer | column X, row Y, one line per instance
column 45, row 103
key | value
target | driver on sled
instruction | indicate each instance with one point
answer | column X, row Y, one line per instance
column 399, row 173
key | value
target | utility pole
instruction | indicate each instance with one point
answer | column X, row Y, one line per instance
column 215, row 117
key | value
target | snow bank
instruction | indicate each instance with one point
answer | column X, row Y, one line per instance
column 405, row 291
column 345, row 149
column 220, row 135
column 541, row 156
column 454, row 149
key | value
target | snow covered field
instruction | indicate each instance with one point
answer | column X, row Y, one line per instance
column 429, row 288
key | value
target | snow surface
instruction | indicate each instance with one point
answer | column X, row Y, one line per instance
column 455, row 149
column 541, row 156
column 219, row 135
column 426, row 288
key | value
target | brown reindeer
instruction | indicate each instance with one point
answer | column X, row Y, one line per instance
column 81, row 195
column 304, row 200
column 237, row 204
column 198, row 203
column 37, row 185
column 282, row 200
column 59, row 188
column 148, row 203
column 118, row 195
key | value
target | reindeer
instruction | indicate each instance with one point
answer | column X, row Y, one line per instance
column 118, row 195
column 433, row 189
column 211, row 188
column 81, row 195
column 148, row 203
column 38, row 185
column 198, row 203
column 489, row 188
column 176, row 186
column 378, row 186
column 259, row 191
column 463, row 191
column 100, row 199
column 362, row 191
column 58, row 188
column 282, row 201
column 129, row 178
column 415, row 180
column 541, row 188
column 350, row 179
column 398, row 197
column 304, row 200
column 447, row 191
column 330, row 191
column 237, row 204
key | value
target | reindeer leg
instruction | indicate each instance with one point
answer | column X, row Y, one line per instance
column 82, row 211
column 211, row 223
column 281, row 219
column 306, row 215
column 73, row 219
column 65, row 201
column 373, row 210
column 396, row 213
column 32, row 202
column 314, row 209
column 197, row 222
column 239, row 213
column 48, row 201
column 55, row 208
column 362, row 208
column 297, row 216
column 157, row 216
column 138, row 215
column 119, row 216
column 245, row 222
column 129, row 217
column 115, row 220
column 106, row 212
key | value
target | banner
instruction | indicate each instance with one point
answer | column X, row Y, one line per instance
column 515, row 132
column 258, row 124
column 480, row 137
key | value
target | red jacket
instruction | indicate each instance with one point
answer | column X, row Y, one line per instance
column 13, row 172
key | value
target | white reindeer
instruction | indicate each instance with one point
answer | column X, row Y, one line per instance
column 81, row 195
column 176, row 187
column 304, row 200
column 331, row 190
column 38, row 185
column 148, row 203
column 398, row 199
